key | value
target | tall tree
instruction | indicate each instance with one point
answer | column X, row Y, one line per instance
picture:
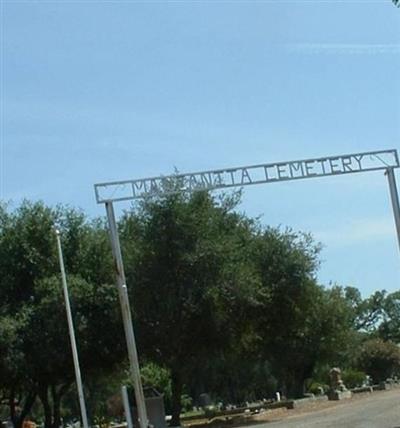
column 299, row 323
column 17, row 389
column 31, row 304
column 48, row 356
column 184, row 261
column 380, row 359
column 389, row 328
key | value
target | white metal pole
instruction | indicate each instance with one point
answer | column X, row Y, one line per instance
column 126, row 317
column 395, row 200
column 72, row 334
column 127, row 407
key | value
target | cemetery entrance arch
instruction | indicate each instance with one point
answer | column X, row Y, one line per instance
column 108, row 193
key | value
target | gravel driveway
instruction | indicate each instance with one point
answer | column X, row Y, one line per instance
column 378, row 410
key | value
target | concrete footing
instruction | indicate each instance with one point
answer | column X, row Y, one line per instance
column 339, row 395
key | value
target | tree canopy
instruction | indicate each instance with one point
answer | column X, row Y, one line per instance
column 34, row 347
column 221, row 304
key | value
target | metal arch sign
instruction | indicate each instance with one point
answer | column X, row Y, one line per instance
column 108, row 193
column 246, row 175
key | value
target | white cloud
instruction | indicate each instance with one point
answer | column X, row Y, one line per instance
column 358, row 232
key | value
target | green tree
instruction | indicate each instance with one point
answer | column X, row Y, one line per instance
column 369, row 312
column 286, row 267
column 27, row 251
column 300, row 324
column 16, row 387
column 378, row 315
column 344, row 323
column 380, row 359
column 389, row 328
column 185, row 262
column 48, row 356
column 25, row 254
column 31, row 303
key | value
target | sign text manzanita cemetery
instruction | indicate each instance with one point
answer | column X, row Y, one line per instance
column 247, row 175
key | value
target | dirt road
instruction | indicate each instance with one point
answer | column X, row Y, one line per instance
column 378, row 410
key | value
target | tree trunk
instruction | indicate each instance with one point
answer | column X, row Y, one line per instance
column 18, row 420
column 295, row 384
column 29, row 401
column 13, row 415
column 297, row 390
column 57, row 396
column 176, row 387
column 56, row 407
column 44, row 398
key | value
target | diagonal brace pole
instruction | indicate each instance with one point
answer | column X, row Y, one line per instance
column 395, row 200
column 126, row 317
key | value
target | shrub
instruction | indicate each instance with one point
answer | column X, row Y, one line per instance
column 186, row 402
column 316, row 387
column 353, row 378
column 380, row 359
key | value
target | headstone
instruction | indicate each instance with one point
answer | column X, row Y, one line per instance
column 338, row 390
column 204, row 400
column 154, row 402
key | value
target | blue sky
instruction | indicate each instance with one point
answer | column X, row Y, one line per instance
column 95, row 91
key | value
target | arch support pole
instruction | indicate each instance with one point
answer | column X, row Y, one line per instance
column 394, row 196
column 126, row 317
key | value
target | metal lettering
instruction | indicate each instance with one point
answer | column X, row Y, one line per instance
column 218, row 179
column 206, row 179
column 309, row 167
column 346, row 162
column 281, row 171
column 267, row 174
column 243, row 176
column 154, row 186
column 139, row 186
column 335, row 168
column 192, row 181
column 358, row 160
column 231, row 172
column 322, row 162
column 296, row 167
column 166, row 184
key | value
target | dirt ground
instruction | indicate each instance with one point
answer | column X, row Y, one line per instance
column 278, row 414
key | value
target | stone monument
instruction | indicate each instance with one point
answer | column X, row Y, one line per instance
column 338, row 390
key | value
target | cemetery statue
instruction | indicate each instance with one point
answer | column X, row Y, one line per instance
column 338, row 389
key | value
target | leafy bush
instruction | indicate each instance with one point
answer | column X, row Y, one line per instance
column 186, row 402
column 380, row 359
column 158, row 378
column 315, row 388
column 353, row 378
